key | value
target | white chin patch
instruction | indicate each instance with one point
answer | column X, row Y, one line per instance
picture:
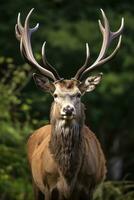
column 65, row 117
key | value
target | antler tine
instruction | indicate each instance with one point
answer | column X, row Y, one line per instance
column 119, row 31
column 25, row 38
column 108, row 36
column 111, row 34
column 105, row 59
column 23, row 34
column 18, row 28
column 46, row 63
column 79, row 72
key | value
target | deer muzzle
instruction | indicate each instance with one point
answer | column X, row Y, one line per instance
column 68, row 112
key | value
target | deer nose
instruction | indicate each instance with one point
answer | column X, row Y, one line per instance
column 68, row 110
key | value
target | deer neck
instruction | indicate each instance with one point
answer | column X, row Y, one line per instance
column 65, row 145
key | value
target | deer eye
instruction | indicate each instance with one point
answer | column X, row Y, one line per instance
column 79, row 95
column 55, row 95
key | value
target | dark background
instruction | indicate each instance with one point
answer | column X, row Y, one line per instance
column 66, row 26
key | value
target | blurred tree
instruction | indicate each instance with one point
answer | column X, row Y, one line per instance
column 66, row 26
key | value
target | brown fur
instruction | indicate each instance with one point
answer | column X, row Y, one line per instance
column 67, row 84
column 46, row 172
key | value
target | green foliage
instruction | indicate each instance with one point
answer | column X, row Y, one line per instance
column 115, row 191
column 66, row 26
column 13, row 166
column 12, row 82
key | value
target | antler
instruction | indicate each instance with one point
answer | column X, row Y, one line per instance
column 108, row 36
column 23, row 34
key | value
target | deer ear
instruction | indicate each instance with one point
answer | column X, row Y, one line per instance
column 90, row 83
column 43, row 83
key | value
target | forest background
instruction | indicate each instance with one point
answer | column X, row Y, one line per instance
column 67, row 26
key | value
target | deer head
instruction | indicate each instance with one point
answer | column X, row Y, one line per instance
column 67, row 93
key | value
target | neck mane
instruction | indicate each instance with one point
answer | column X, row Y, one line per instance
column 65, row 145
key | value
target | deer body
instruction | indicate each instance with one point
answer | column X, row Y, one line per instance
column 65, row 157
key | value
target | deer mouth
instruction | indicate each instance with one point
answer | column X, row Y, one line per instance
column 68, row 117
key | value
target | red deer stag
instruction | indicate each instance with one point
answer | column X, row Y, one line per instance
column 65, row 156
